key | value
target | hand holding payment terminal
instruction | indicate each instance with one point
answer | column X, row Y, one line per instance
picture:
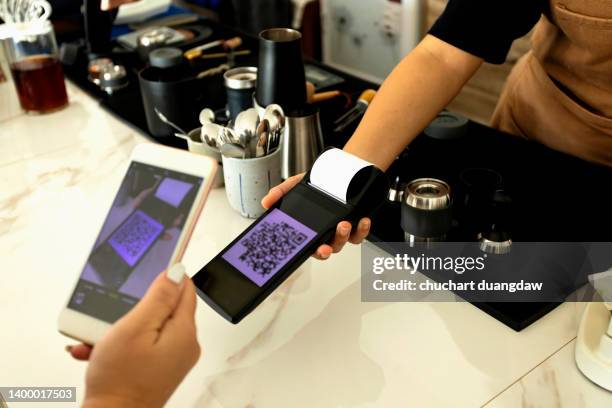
column 338, row 187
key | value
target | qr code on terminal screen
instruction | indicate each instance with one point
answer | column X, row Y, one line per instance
column 135, row 235
column 269, row 245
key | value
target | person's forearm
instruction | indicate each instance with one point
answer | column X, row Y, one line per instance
column 421, row 85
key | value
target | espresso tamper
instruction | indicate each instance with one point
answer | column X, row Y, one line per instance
column 426, row 211
column 496, row 239
column 474, row 198
column 495, row 243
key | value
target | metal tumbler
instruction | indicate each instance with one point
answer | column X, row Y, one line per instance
column 281, row 78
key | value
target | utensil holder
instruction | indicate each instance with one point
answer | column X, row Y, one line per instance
column 247, row 181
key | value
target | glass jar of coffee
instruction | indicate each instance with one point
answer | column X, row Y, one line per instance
column 32, row 55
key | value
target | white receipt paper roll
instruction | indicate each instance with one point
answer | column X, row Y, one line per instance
column 333, row 171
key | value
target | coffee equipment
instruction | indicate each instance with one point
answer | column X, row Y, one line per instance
column 477, row 190
column 495, row 238
column 302, row 141
column 239, row 85
column 167, row 86
column 282, row 80
column 281, row 77
column 426, row 211
column 98, row 25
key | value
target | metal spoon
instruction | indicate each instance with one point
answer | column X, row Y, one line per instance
column 212, row 134
column 274, row 140
column 206, row 116
column 182, row 136
column 261, row 137
column 275, row 116
column 164, row 119
column 246, row 125
column 231, row 136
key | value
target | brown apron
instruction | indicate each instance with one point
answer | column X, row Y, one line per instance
column 560, row 93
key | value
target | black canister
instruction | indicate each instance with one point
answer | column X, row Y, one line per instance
column 475, row 194
column 169, row 86
column 281, row 78
column 426, row 211
column 240, row 84
column 496, row 238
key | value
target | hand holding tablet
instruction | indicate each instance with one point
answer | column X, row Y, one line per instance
column 158, row 332
column 145, row 232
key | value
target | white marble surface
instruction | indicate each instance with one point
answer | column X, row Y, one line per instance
column 554, row 383
column 313, row 343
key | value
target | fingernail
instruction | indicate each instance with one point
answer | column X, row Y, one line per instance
column 366, row 225
column 176, row 273
column 344, row 230
column 68, row 348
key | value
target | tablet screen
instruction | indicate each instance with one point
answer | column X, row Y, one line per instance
column 137, row 240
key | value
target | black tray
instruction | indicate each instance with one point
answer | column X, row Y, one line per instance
column 555, row 197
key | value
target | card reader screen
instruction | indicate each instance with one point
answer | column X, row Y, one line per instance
column 268, row 246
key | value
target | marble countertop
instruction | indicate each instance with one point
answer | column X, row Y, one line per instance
column 313, row 343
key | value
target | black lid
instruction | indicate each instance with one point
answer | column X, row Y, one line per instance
column 166, row 57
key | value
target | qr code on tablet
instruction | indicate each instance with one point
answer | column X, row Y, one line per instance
column 269, row 244
column 133, row 238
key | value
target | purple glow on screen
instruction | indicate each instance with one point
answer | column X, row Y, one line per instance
column 268, row 246
column 172, row 191
column 135, row 236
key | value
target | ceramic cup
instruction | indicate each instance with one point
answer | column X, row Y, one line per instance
column 197, row 147
column 247, row 181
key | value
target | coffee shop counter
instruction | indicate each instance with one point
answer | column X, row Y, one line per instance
column 313, row 343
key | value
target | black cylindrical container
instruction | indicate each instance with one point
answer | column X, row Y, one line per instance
column 496, row 238
column 476, row 193
column 98, row 26
column 426, row 211
column 169, row 85
column 281, row 78
column 240, row 84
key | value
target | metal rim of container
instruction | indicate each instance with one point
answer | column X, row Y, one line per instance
column 280, row 35
column 428, row 194
column 241, row 78
column 494, row 247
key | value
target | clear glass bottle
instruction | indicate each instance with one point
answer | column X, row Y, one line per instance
column 31, row 52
